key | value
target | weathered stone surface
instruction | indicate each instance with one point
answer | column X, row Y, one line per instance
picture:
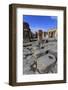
column 27, row 69
column 38, row 52
column 30, row 60
column 44, row 61
column 46, row 58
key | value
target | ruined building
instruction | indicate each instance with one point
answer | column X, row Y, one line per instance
column 27, row 34
column 52, row 33
column 40, row 35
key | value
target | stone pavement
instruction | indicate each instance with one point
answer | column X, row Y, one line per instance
column 40, row 60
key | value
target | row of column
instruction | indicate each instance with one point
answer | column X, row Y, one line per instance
column 51, row 34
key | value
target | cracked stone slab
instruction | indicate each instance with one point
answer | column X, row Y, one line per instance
column 44, row 61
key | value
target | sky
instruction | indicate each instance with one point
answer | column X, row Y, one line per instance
column 40, row 22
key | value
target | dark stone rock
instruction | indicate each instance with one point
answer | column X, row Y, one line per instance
column 46, row 41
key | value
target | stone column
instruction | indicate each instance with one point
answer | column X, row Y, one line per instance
column 53, row 34
column 49, row 34
column 43, row 35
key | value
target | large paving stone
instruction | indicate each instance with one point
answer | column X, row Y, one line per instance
column 44, row 61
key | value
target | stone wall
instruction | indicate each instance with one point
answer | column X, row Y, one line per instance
column 27, row 34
